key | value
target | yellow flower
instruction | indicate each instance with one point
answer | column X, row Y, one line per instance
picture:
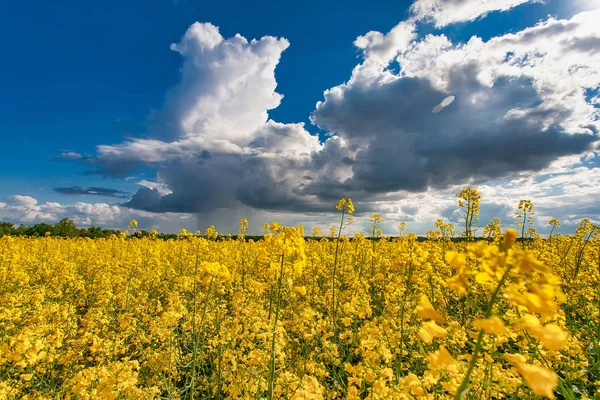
column 352, row 393
column 540, row 380
column 492, row 325
column 515, row 358
column 440, row 358
column 550, row 335
column 380, row 388
column 426, row 310
column 456, row 260
column 430, row 330
column 301, row 290
column 510, row 236
column 350, row 206
column 370, row 376
column 528, row 264
column 413, row 382
column 121, row 318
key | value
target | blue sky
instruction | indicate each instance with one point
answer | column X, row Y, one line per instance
column 83, row 74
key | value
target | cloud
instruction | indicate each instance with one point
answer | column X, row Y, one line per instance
column 222, row 143
column 161, row 188
column 92, row 191
column 383, row 48
column 227, row 85
column 509, row 113
column 446, row 12
column 26, row 209
column 70, row 155
column 409, row 148
column 265, row 174
column 521, row 104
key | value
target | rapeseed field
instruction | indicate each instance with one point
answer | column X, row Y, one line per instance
column 511, row 315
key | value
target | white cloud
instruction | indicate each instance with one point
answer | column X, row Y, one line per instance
column 558, row 56
column 446, row 12
column 383, row 48
column 70, row 155
column 227, row 85
column 160, row 187
column 26, row 209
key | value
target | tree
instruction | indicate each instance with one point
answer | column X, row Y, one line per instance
column 40, row 229
column 93, row 232
column 468, row 201
column 66, row 227
column 7, row 228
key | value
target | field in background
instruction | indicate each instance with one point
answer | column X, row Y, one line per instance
column 284, row 317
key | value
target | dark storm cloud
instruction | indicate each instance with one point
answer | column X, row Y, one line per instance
column 92, row 191
column 410, row 148
column 390, row 141
column 272, row 185
column 197, row 186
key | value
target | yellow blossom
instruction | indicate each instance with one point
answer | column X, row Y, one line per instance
column 492, row 325
column 440, row 358
column 540, row 380
column 426, row 310
column 301, row 290
column 430, row 330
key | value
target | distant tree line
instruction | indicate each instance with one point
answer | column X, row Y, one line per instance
column 67, row 228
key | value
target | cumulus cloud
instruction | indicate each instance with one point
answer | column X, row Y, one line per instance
column 227, row 87
column 446, row 12
column 509, row 113
column 382, row 48
column 413, row 149
column 26, row 209
column 394, row 141
column 568, row 189
column 224, row 152
column 91, row 191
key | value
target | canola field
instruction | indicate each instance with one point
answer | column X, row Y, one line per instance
column 295, row 317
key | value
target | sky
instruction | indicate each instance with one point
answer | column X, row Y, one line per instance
column 185, row 114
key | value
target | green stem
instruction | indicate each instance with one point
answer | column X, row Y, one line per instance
column 580, row 255
column 478, row 346
column 272, row 362
column 408, row 287
column 337, row 245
